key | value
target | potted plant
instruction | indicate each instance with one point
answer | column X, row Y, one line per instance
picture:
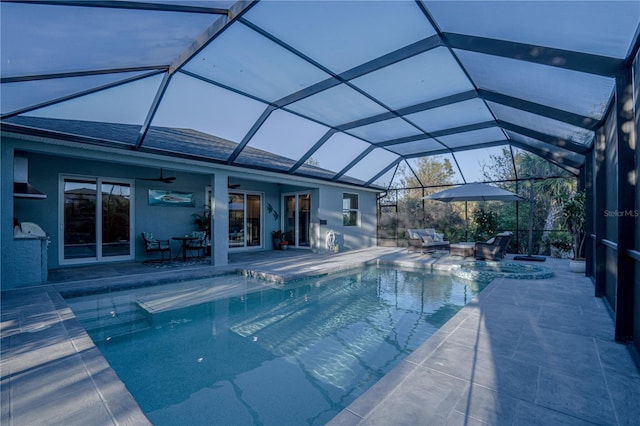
column 276, row 236
column 284, row 245
column 203, row 222
column 574, row 215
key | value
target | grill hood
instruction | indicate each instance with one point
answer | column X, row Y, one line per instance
column 21, row 187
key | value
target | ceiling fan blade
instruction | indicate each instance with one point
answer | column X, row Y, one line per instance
column 162, row 178
column 167, row 179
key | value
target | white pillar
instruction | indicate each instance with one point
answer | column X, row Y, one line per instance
column 219, row 219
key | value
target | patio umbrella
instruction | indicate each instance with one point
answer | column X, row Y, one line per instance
column 474, row 192
column 483, row 192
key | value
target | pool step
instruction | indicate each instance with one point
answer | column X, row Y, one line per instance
column 112, row 320
column 114, row 326
column 119, row 330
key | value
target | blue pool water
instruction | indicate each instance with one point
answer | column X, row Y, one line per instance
column 281, row 356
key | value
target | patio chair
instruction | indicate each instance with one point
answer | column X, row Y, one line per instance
column 199, row 244
column 151, row 245
column 494, row 248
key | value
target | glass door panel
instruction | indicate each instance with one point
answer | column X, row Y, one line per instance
column 297, row 219
column 236, row 220
column 304, row 219
column 116, row 219
column 96, row 227
column 80, row 218
column 245, row 220
column 290, row 219
column 254, row 230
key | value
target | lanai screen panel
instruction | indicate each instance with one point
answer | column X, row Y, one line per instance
column 369, row 166
column 337, row 105
column 473, row 137
column 386, row 179
column 247, row 61
column 573, row 91
column 542, row 124
column 555, row 154
column 290, row 86
column 342, row 35
column 598, row 27
column 449, row 166
column 126, row 104
column 451, row 116
column 523, row 172
column 479, row 168
column 190, row 103
column 24, row 94
column 47, row 39
column 416, row 147
column 420, row 78
column 286, row 135
column 338, row 152
column 386, row 130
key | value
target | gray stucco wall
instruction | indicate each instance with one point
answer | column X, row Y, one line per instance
column 164, row 222
column 46, row 167
column 355, row 237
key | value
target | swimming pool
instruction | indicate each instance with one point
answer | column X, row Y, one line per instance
column 298, row 354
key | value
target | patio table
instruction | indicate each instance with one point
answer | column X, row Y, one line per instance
column 183, row 241
column 465, row 249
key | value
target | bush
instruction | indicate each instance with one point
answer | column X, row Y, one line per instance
column 561, row 245
column 485, row 225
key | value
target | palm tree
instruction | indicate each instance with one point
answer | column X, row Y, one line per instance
column 574, row 214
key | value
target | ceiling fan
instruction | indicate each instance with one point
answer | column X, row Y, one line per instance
column 162, row 178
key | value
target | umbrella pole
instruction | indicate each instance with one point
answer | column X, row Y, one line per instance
column 466, row 223
column 530, row 255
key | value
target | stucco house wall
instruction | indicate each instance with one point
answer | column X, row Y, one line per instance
column 47, row 164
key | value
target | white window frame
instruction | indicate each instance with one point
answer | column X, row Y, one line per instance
column 356, row 210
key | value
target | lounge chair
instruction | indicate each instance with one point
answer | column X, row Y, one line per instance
column 425, row 240
column 151, row 245
column 494, row 248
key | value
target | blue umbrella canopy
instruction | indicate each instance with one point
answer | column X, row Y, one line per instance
column 474, row 192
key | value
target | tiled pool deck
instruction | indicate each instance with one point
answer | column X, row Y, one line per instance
column 523, row 352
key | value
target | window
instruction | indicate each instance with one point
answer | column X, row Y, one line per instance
column 350, row 209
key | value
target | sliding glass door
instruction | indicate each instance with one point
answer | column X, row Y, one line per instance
column 245, row 220
column 96, row 220
column 116, row 219
column 297, row 219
